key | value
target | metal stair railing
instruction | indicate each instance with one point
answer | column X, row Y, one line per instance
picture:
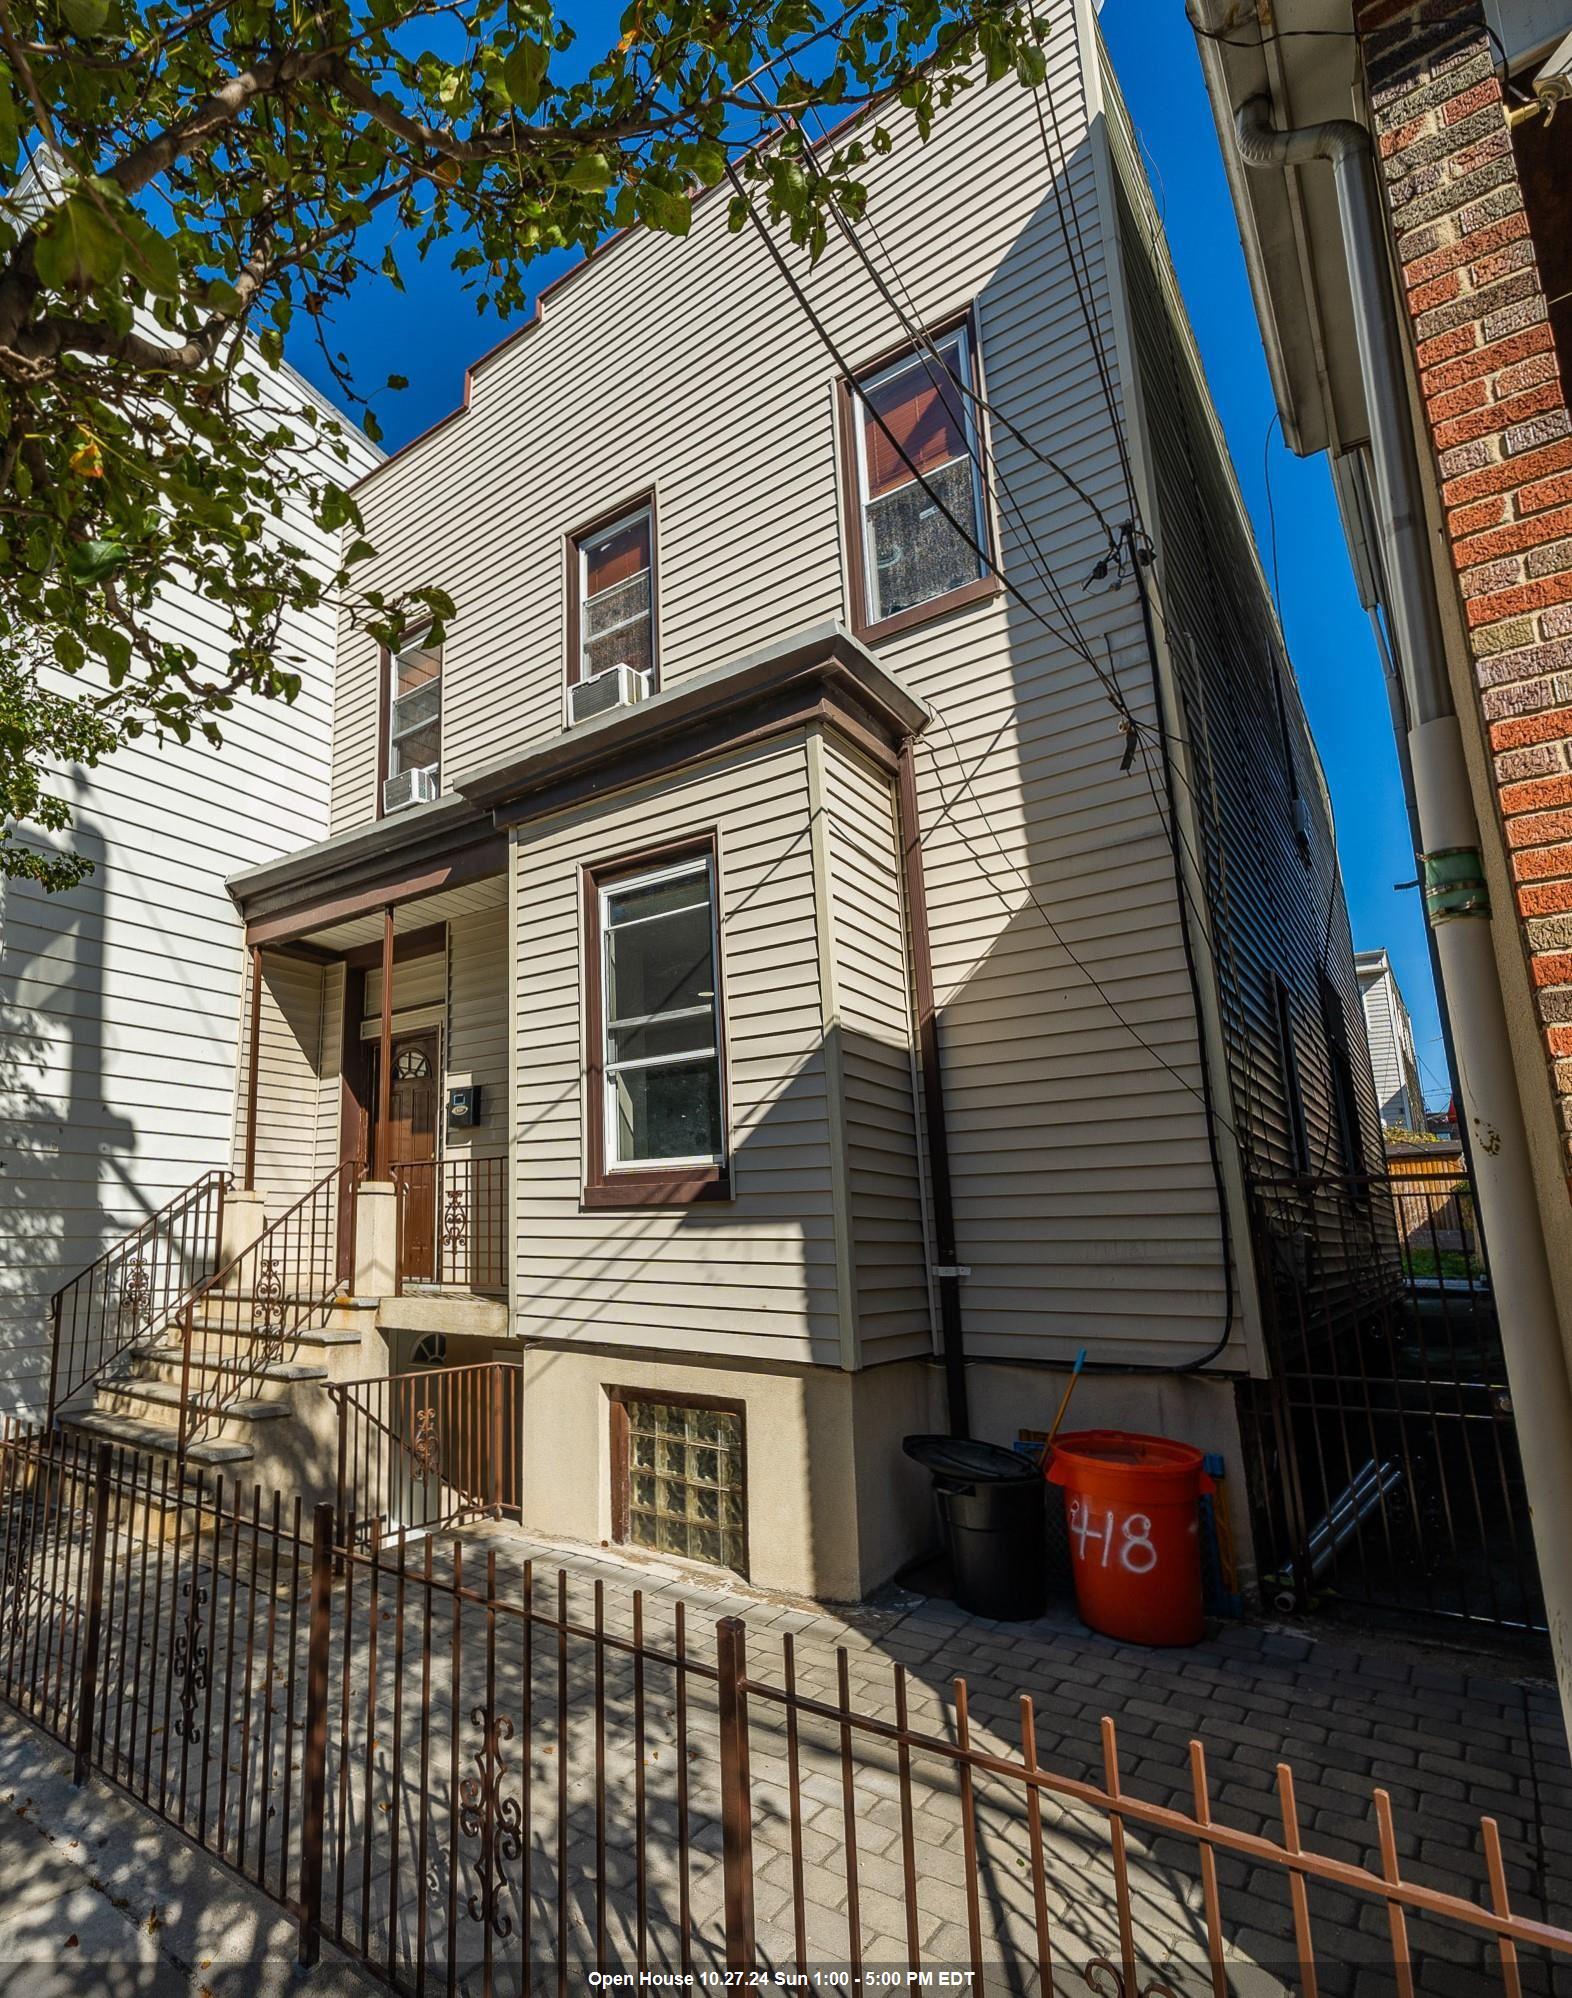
column 283, row 1284
column 145, row 1279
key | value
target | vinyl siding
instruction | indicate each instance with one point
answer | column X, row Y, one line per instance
column 477, row 1038
column 1277, row 905
column 1085, row 1202
column 417, row 981
column 120, row 1001
column 754, row 1276
column 874, row 1026
column 1392, row 1058
column 1274, row 904
column 292, row 1087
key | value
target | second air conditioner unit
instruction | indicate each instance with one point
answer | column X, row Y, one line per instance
column 620, row 686
column 409, row 787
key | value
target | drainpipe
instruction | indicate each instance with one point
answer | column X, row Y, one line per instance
column 1457, row 905
column 948, row 1270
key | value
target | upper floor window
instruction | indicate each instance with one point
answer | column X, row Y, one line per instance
column 655, row 1053
column 915, row 540
column 414, row 738
column 612, row 621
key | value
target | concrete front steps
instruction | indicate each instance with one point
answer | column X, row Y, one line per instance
column 280, row 1434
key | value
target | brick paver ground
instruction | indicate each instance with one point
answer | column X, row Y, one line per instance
column 511, row 1779
column 1450, row 1733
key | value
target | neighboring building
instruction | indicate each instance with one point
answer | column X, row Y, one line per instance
column 1391, row 1034
column 1402, row 192
column 862, row 1016
column 1473, row 180
column 118, row 999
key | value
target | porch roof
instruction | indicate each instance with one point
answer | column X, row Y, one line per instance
column 821, row 674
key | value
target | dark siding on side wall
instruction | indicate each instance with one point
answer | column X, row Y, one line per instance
column 1276, row 905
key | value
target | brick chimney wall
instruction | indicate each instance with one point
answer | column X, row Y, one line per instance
column 1502, row 439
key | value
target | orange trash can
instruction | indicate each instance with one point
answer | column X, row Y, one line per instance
column 1132, row 1512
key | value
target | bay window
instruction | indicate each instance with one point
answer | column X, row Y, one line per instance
column 656, row 1114
column 915, row 540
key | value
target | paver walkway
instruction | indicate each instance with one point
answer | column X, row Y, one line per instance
column 506, row 1795
column 1451, row 1734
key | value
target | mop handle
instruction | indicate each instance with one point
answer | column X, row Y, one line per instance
column 1075, row 1375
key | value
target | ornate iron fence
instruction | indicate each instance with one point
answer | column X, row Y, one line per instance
column 452, row 1224
column 431, row 1447
column 134, row 1288
column 466, row 1773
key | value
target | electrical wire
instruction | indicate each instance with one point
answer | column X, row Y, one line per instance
column 923, row 340
column 935, row 499
column 1141, row 553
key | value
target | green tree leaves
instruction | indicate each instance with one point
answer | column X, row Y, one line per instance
column 184, row 184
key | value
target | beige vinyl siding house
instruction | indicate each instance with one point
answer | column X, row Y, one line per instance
column 120, row 1001
column 1392, row 1057
column 920, row 1108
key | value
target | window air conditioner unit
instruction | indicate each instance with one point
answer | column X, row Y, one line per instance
column 619, row 686
column 409, row 787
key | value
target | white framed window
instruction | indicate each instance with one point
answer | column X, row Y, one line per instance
column 917, row 408
column 614, row 603
column 415, row 711
column 660, row 1018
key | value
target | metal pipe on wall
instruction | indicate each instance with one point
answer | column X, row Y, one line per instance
column 253, row 1061
column 1456, row 903
column 384, row 1135
column 947, row 1271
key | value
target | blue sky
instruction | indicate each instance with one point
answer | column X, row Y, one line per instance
column 431, row 331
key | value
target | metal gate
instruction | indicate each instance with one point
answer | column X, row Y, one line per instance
column 1385, row 1464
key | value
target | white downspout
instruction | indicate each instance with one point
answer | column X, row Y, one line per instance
column 1456, row 902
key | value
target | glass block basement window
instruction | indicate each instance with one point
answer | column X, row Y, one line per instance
column 685, row 1491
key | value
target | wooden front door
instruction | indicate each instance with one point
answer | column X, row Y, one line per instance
column 410, row 1141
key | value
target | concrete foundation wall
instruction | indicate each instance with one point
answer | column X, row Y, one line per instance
column 834, row 1505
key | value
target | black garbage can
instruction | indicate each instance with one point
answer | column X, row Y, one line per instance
column 992, row 1508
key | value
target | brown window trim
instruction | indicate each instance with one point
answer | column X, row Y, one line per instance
column 385, row 707
column 979, row 591
column 384, row 720
column 621, row 1468
column 571, row 544
column 643, row 1186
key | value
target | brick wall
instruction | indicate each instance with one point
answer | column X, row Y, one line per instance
column 1502, row 440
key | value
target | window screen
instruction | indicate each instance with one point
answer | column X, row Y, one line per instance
column 914, row 414
column 616, row 584
column 660, row 1017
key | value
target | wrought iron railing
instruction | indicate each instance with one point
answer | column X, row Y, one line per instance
column 244, row 1319
column 429, row 1448
column 452, row 1224
column 134, row 1288
column 469, row 1773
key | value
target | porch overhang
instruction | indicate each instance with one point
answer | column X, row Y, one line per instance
column 402, row 858
column 415, row 856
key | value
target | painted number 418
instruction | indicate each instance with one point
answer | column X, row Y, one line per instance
column 1133, row 1535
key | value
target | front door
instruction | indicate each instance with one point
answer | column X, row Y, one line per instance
column 410, row 1142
